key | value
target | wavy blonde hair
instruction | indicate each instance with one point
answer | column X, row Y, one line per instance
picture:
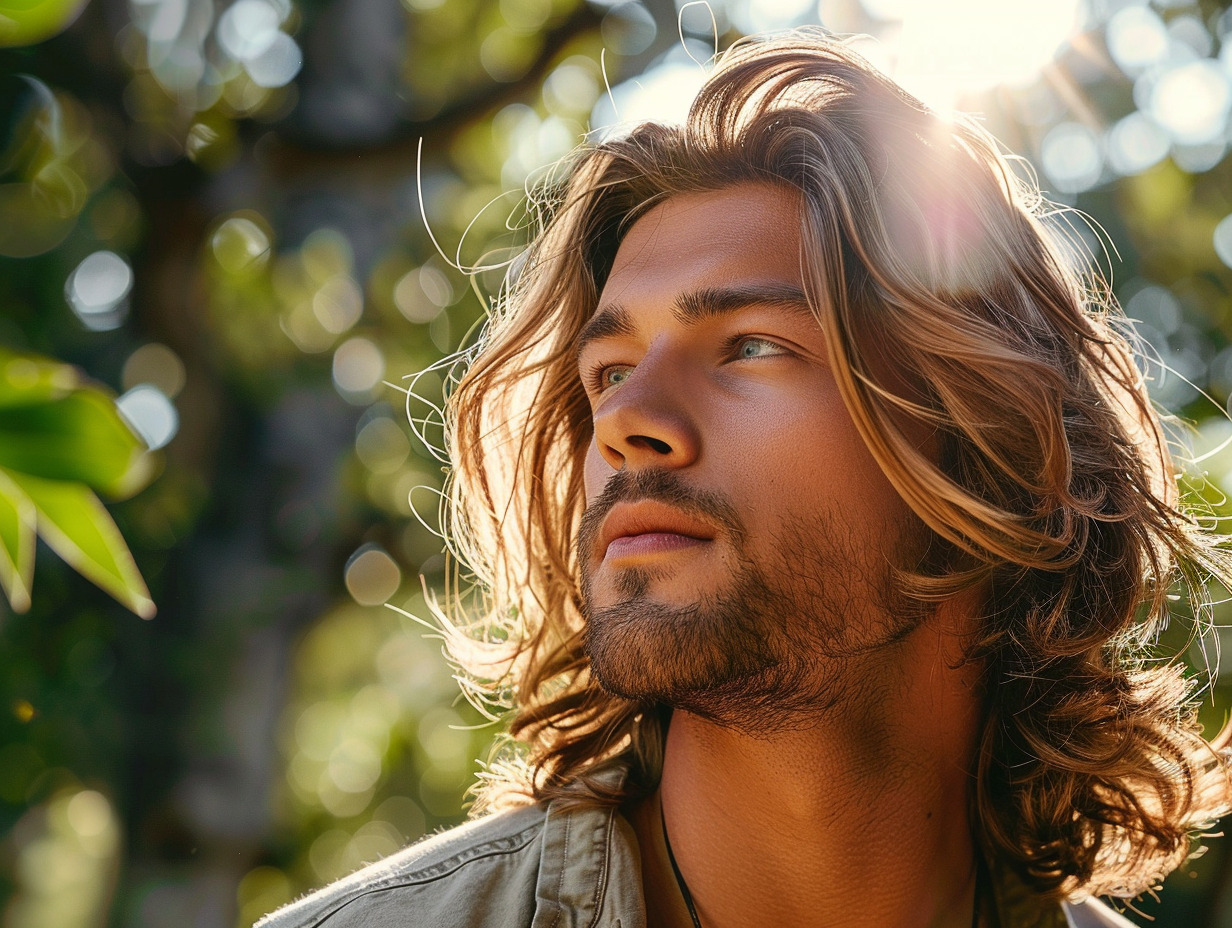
column 1053, row 495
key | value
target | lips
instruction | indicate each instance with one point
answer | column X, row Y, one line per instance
column 650, row 527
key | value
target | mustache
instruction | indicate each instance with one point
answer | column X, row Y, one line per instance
column 663, row 486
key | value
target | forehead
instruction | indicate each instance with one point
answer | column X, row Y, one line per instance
column 741, row 233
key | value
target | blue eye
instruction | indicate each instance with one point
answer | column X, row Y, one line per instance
column 614, row 376
column 757, row 347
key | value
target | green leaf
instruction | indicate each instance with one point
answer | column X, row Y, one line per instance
column 26, row 22
column 80, row 438
column 28, row 379
column 17, row 520
column 76, row 526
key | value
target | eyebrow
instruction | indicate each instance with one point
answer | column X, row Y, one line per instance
column 697, row 306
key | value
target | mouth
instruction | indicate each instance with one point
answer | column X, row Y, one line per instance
column 649, row 528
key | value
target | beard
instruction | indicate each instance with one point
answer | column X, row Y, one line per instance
column 779, row 643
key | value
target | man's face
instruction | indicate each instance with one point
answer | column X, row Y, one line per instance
column 738, row 543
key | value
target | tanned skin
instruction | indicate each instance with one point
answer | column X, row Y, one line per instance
column 829, row 785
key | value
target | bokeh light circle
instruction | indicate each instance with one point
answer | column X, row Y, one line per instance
column 1071, row 158
column 372, row 576
column 150, row 413
column 1222, row 240
column 1136, row 38
column 1135, row 143
column 277, row 64
column 1192, row 101
column 239, row 245
column 359, row 365
column 247, row 28
column 97, row 287
column 157, row 365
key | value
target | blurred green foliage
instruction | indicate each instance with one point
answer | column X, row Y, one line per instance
column 60, row 441
column 212, row 210
column 23, row 22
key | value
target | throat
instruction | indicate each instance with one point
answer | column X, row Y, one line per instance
column 981, row 900
column 791, row 829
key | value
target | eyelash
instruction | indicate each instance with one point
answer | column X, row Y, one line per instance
column 593, row 379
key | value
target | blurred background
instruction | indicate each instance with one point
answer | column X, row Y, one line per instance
column 214, row 283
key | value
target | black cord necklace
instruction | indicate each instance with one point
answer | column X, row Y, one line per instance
column 688, row 896
column 684, row 887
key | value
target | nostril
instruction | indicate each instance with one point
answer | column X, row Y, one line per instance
column 654, row 444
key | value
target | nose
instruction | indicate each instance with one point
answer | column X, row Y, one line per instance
column 647, row 422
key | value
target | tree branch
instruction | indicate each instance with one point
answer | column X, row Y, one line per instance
column 289, row 156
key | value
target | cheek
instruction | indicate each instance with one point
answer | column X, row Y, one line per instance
column 804, row 439
column 798, row 463
column 595, row 472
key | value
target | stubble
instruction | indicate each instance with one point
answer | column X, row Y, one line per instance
column 779, row 643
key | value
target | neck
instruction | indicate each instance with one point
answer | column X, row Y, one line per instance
column 857, row 817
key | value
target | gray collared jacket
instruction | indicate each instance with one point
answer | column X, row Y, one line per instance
column 548, row 866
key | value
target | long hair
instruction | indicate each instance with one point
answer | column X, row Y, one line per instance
column 1053, row 495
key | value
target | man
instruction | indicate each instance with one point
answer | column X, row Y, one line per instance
column 822, row 522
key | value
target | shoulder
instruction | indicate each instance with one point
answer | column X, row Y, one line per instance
column 480, row 873
column 1094, row 914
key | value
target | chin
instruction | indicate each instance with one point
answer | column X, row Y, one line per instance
column 653, row 651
